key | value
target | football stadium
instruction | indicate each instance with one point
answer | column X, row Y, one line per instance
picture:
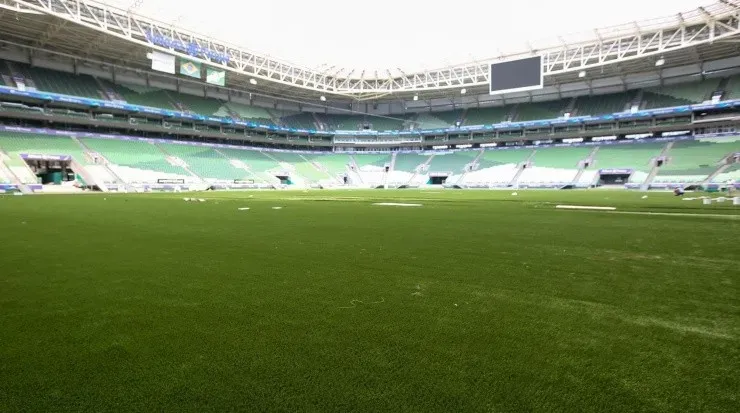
column 212, row 210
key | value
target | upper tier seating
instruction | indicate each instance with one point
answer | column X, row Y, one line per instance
column 732, row 90
column 64, row 83
column 602, row 104
column 487, row 116
column 449, row 117
column 196, row 104
column 427, row 120
column 246, row 112
column 540, row 110
column 299, row 121
column 680, row 94
column 146, row 97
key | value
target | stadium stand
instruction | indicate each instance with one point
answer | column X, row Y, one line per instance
column 539, row 110
column 301, row 166
column 341, row 121
column 409, row 162
column 144, row 96
column 554, row 165
column 694, row 160
column 449, row 117
column 426, row 120
column 732, row 89
column 731, row 173
column 136, row 161
column 205, row 162
column 259, row 165
column 17, row 143
column 635, row 156
column 299, row 121
column 64, row 83
column 498, row 166
column 452, row 162
column 602, row 104
column 333, row 164
column 381, row 123
column 680, row 94
column 484, row 116
column 246, row 112
column 196, row 104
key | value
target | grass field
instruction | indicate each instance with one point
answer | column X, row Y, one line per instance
column 476, row 301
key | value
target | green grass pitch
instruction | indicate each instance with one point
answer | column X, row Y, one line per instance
column 478, row 301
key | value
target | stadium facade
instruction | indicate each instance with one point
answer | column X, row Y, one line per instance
column 125, row 102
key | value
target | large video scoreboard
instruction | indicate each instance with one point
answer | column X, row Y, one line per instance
column 516, row 75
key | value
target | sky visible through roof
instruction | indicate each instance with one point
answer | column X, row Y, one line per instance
column 391, row 34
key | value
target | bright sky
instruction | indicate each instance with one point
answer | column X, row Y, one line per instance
column 406, row 34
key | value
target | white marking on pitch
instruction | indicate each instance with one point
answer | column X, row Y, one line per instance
column 277, row 207
column 595, row 208
column 396, row 204
column 244, row 209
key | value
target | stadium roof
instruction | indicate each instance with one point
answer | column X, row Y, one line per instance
column 93, row 31
column 391, row 34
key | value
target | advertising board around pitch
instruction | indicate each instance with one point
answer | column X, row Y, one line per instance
column 516, row 75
